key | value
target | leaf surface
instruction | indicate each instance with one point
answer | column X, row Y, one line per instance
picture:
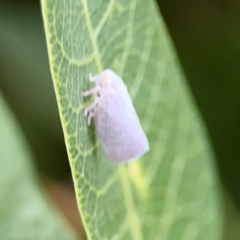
column 171, row 192
column 25, row 213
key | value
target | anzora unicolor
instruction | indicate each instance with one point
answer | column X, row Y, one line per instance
column 118, row 127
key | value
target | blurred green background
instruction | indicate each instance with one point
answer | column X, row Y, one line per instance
column 206, row 34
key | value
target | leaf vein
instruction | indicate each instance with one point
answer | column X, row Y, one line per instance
column 104, row 18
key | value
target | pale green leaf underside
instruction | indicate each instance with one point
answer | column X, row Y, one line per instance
column 170, row 193
column 24, row 212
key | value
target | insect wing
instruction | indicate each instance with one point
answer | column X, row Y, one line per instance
column 118, row 127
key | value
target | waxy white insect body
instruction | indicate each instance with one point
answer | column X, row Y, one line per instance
column 118, row 127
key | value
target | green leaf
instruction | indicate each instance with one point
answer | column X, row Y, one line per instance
column 24, row 212
column 171, row 192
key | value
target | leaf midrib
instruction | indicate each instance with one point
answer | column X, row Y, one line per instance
column 131, row 211
column 92, row 37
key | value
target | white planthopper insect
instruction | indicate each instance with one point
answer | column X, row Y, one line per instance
column 118, row 127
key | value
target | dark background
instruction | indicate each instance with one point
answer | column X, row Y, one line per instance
column 206, row 35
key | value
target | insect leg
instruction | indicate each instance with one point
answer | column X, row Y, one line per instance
column 92, row 78
column 92, row 91
column 91, row 106
column 90, row 116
